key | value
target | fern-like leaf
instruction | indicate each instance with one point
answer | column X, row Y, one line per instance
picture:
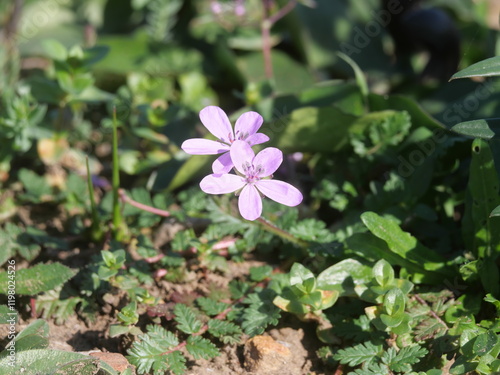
column 186, row 319
column 261, row 312
column 401, row 361
column 227, row 332
column 200, row 347
column 358, row 354
column 148, row 353
column 176, row 363
column 210, row 306
column 50, row 305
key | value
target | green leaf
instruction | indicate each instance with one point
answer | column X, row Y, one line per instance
column 487, row 129
column 368, row 246
column 403, row 103
column 358, row 354
column 311, row 129
column 175, row 361
column 37, row 188
column 289, row 76
column 407, row 246
column 34, row 336
column 260, row 313
column 47, row 361
column 485, row 68
column 482, row 198
column 186, row 319
column 407, row 356
column 55, row 49
column 147, row 354
column 210, row 306
column 299, row 274
column 4, row 314
column 258, row 274
column 485, row 342
column 227, row 332
column 394, row 301
column 15, row 240
column 343, row 276
column 383, row 273
column 37, row 279
column 200, row 347
column 358, row 73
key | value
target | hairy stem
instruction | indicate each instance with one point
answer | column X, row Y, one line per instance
column 270, row 227
column 125, row 198
column 267, row 23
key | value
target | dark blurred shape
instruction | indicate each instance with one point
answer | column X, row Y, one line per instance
column 414, row 28
column 117, row 14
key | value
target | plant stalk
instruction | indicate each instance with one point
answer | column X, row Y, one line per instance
column 270, row 227
column 117, row 215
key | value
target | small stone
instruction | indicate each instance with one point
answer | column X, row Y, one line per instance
column 265, row 355
column 117, row 361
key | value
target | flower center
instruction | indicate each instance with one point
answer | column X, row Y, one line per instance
column 252, row 172
column 239, row 136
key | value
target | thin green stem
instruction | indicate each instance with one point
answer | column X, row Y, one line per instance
column 282, row 233
column 96, row 231
column 117, row 216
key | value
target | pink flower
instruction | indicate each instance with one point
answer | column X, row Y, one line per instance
column 252, row 180
column 217, row 123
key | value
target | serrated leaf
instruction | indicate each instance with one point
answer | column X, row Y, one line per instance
column 15, row 241
column 485, row 68
column 238, row 289
column 358, row 354
column 34, row 336
column 51, row 305
column 176, row 362
column 210, row 306
column 200, row 347
column 261, row 312
column 227, row 332
column 407, row 356
column 186, row 319
column 260, row 273
column 147, row 354
column 48, row 361
column 312, row 230
column 37, row 279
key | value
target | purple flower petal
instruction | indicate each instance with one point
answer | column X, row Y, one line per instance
column 247, row 124
column 221, row 183
column 201, row 146
column 242, row 156
column 217, row 123
column 257, row 139
column 250, row 203
column 279, row 191
column 223, row 164
column 267, row 161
